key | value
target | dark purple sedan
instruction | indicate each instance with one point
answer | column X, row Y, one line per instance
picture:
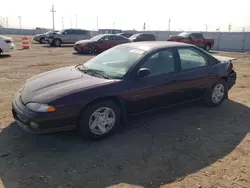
column 96, row 97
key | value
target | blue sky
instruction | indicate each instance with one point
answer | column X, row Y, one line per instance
column 129, row 14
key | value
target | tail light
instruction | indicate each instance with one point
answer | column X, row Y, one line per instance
column 8, row 41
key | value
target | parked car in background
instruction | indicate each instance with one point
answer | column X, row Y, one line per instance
column 68, row 36
column 99, row 43
column 6, row 44
column 142, row 37
column 96, row 97
column 41, row 38
column 127, row 35
column 196, row 39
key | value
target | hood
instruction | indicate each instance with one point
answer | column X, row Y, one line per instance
column 57, row 83
column 224, row 58
column 85, row 41
column 6, row 38
column 38, row 35
column 175, row 37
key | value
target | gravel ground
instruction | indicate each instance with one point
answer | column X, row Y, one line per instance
column 186, row 146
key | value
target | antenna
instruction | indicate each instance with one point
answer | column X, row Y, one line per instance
column 53, row 16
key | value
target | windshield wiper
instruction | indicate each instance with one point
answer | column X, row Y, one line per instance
column 97, row 72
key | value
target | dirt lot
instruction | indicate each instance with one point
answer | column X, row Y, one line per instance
column 187, row 146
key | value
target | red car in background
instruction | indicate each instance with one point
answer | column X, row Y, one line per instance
column 99, row 43
column 196, row 39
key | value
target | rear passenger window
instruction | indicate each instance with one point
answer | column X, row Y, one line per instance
column 191, row 58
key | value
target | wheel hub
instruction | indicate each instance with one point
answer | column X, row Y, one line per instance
column 102, row 120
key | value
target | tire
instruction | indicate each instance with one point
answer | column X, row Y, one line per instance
column 207, row 47
column 92, row 50
column 42, row 41
column 57, row 42
column 1, row 51
column 215, row 98
column 87, row 117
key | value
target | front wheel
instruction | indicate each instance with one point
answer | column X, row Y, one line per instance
column 42, row 41
column 92, row 50
column 57, row 42
column 216, row 93
column 99, row 120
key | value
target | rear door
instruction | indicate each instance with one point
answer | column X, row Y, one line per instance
column 83, row 34
column 71, row 36
column 115, row 40
column 159, row 88
column 196, row 75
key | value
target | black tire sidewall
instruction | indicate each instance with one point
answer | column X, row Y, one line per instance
column 208, row 95
column 83, row 125
column 207, row 46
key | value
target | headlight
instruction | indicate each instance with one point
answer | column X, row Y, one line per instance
column 37, row 107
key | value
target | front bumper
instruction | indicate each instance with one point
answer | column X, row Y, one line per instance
column 39, row 123
column 231, row 80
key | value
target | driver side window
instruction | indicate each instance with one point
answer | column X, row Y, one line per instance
column 161, row 62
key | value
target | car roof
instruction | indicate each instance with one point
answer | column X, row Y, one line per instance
column 154, row 45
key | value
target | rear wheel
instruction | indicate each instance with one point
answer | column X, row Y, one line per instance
column 57, row 42
column 99, row 120
column 1, row 51
column 216, row 93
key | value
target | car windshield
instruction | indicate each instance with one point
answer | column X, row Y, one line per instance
column 184, row 34
column 134, row 36
column 97, row 37
column 115, row 62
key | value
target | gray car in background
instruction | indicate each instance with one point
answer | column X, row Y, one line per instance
column 41, row 38
column 68, row 36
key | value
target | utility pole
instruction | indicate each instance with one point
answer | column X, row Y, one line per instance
column 243, row 29
column 70, row 22
column 20, row 21
column 144, row 26
column 97, row 23
column 169, row 21
column 206, row 27
column 76, row 20
column 53, row 16
column 229, row 27
column 62, row 23
column 7, row 22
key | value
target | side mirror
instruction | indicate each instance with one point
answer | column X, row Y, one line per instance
column 143, row 72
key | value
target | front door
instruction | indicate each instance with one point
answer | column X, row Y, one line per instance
column 158, row 89
column 104, row 43
column 196, row 74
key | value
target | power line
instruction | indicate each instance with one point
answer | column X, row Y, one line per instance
column 20, row 21
column 53, row 16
